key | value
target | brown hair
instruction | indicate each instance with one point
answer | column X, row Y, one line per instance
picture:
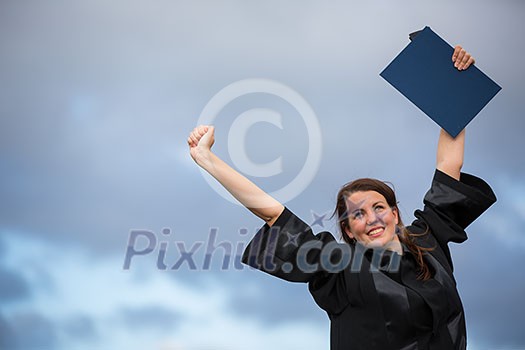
column 405, row 236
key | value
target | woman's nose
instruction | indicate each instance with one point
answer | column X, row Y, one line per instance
column 371, row 218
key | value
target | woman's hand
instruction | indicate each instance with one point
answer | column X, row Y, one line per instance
column 200, row 141
column 461, row 58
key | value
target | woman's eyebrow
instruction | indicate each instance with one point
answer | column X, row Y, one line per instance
column 353, row 206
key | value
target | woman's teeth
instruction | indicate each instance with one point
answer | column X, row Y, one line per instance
column 375, row 232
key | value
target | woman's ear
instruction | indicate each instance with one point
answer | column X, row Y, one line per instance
column 349, row 233
column 396, row 216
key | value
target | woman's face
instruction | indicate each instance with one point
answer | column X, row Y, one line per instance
column 371, row 221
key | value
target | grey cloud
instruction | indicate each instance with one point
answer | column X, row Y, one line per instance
column 275, row 301
column 149, row 318
column 7, row 336
column 81, row 328
column 492, row 289
column 32, row 331
column 14, row 287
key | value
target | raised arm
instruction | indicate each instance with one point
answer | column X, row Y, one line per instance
column 260, row 203
column 450, row 153
column 450, row 150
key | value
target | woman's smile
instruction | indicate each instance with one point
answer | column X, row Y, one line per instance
column 376, row 232
column 371, row 221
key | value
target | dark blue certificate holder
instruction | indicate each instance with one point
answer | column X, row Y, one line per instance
column 425, row 74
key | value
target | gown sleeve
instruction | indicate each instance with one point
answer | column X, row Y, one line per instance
column 290, row 251
column 451, row 205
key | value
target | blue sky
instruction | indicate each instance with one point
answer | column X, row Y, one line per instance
column 97, row 99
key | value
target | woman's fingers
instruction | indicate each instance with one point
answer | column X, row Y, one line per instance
column 196, row 135
column 459, row 55
column 457, row 50
column 467, row 61
column 461, row 58
column 202, row 129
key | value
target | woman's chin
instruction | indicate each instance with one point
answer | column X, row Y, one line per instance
column 382, row 243
column 376, row 244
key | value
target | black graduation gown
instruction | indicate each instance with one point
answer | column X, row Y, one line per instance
column 374, row 299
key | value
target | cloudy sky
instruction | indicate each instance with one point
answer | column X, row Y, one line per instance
column 97, row 99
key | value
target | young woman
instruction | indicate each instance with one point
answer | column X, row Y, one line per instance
column 403, row 297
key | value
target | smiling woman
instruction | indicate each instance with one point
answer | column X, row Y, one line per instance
column 387, row 286
column 368, row 213
column 371, row 218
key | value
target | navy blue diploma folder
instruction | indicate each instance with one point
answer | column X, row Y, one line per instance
column 425, row 74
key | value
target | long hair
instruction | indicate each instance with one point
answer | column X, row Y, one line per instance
column 405, row 236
